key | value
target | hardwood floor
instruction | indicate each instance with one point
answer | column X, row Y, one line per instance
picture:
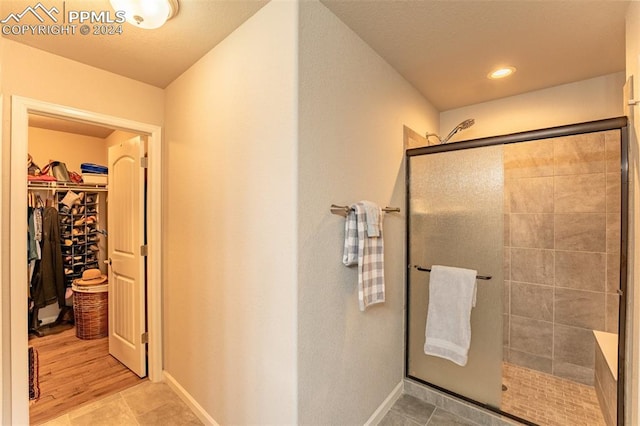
column 74, row 372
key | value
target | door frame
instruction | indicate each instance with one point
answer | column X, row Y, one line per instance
column 21, row 107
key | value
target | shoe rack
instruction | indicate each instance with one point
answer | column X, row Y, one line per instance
column 79, row 234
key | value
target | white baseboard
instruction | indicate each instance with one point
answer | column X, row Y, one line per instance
column 188, row 399
column 380, row 412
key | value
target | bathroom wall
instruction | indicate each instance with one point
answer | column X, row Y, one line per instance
column 562, row 254
column 577, row 102
column 230, row 224
column 352, row 108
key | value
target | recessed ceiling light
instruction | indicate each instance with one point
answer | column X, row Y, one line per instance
column 501, row 72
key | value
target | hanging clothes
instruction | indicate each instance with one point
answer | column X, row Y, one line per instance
column 48, row 278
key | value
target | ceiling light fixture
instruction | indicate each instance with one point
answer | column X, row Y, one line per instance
column 147, row 14
column 501, row 73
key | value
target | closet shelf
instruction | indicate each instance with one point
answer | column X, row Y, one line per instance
column 54, row 186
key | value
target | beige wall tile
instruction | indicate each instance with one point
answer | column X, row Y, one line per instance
column 532, row 195
column 580, row 270
column 580, row 193
column 579, row 154
column 507, row 264
column 531, row 336
column 580, row 231
column 507, row 230
column 532, row 230
column 613, row 192
column 579, row 308
column 506, row 192
column 574, row 372
column 613, row 233
column 612, row 313
column 532, row 301
column 506, row 297
column 529, row 159
column 612, row 151
column 505, row 330
column 573, row 345
column 532, row 266
column 534, row 362
column 613, row 272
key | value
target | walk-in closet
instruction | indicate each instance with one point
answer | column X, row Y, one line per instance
column 71, row 243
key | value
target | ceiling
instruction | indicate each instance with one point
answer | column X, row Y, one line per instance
column 447, row 48
column 157, row 56
column 444, row 48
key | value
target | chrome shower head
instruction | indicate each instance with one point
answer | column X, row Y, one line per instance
column 462, row 126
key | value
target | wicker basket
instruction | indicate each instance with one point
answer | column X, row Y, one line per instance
column 90, row 309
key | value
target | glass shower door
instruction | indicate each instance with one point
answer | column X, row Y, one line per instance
column 456, row 219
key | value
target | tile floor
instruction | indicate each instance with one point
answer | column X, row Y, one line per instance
column 530, row 395
column 410, row 411
column 549, row 400
column 144, row 404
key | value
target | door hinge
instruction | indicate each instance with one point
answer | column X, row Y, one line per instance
column 144, row 162
column 144, row 338
column 144, row 250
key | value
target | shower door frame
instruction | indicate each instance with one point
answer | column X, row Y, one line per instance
column 618, row 123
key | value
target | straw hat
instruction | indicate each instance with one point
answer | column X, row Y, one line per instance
column 91, row 277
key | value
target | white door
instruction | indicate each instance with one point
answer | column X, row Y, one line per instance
column 126, row 273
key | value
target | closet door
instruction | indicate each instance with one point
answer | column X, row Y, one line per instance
column 126, row 274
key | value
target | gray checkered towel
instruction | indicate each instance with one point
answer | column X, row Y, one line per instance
column 367, row 251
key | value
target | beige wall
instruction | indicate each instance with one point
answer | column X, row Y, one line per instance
column 39, row 75
column 632, row 69
column 230, row 224
column 352, row 108
column 586, row 100
column 70, row 148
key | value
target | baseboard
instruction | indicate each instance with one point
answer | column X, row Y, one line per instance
column 386, row 405
column 188, row 399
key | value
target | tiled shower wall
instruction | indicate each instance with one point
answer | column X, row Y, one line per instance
column 562, row 237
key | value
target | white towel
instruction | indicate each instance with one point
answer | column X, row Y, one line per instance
column 452, row 294
column 368, row 252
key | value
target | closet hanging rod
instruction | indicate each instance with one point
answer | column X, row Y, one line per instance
column 344, row 210
column 480, row 277
column 64, row 186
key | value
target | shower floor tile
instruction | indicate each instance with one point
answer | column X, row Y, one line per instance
column 548, row 400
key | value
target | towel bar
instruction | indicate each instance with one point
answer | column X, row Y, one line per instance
column 344, row 210
column 480, row 277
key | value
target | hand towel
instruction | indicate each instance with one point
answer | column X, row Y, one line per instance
column 372, row 212
column 452, row 294
column 350, row 254
column 370, row 260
